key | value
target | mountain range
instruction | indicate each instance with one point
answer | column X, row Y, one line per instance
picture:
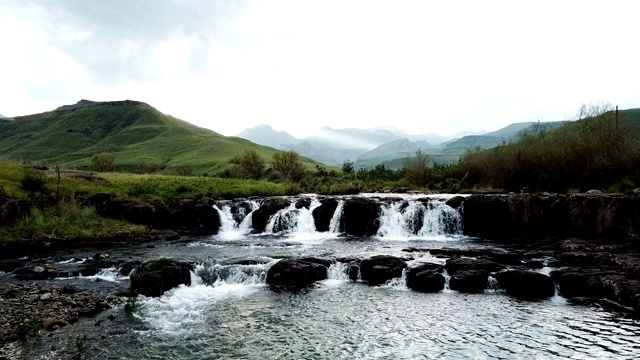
column 136, row 134
column 386, row 145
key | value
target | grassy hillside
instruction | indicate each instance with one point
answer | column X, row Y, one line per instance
column 136, row 134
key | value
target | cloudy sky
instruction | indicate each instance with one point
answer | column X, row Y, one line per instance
column 423, row 66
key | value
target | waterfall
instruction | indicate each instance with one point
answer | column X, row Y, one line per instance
column 416, row 219
column 217, row 274
column 294, row 221
column 334, row 224
column 235, row 219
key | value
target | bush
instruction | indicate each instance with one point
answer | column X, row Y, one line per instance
column 288, row 164
column 249, row 165
column 416, row 169
column 103, row 162
column 33, row 181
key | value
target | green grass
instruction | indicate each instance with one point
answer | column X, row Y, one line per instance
column 136, row 134
column 67, row 220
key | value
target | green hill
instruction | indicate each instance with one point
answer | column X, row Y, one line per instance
column 136, row 134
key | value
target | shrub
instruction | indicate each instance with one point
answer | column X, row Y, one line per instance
column 249, row 165
column 103, row 162
column 288, row 164
column 416, row 169
column 33, row 181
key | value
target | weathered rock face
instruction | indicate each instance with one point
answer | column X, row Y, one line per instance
column 425, row 278
column 322, row 214
column 295, row 274
column 268, row 208
column 579, row 215
column 11, row 210
column 380, row 269
column 360, row 217
column 526, row 285
column 155, row 277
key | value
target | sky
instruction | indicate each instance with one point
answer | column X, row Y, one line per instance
column 422, row 66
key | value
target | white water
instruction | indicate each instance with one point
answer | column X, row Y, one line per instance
column 334, row 224
column 399, row 283
column 337, row 275
column 108, row 274
column 229, row 228
column 412, row 219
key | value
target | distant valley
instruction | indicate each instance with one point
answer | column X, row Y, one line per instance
column 386, row 145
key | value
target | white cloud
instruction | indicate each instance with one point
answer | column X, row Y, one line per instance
column 298, row 65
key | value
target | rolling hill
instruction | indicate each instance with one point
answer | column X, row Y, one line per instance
column 133, row 132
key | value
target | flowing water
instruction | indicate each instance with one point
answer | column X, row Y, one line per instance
column 230, row 313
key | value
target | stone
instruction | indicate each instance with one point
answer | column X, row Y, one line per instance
column 526, row 285
column 45, row 297
column 52, row 323
column 360, row 217
column 380, row 269
column 426, row 278
column 268, row 208
column 155, row 277
column 323, row 214
column 295, row 274
column 469, row 281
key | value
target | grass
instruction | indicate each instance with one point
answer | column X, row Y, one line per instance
column 137, row 135
column 68, row 220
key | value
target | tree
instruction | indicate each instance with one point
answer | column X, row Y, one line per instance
column 288, row 164
column 347, row 166
column 103, row 162
column 249, row 165
column 416, row 169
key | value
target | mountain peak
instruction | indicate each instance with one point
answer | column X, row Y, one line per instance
column 85, row 103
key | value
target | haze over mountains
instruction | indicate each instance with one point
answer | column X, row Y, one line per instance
column 386, row 145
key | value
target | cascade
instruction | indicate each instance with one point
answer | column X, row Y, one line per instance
column 292, row 220
column 334, row 224
column 235, row 220
column 413, row 218
column 217, row 274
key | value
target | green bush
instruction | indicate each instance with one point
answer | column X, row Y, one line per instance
column 34, row 181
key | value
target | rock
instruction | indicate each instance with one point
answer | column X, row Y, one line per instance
column 303, row 203
column 295, row 274
column 52, row 323
column 36, row 273
column 353, row 271
column 155, row 277
column 453, row 266
column 380, row 269
column 45, row 297
column 360, row 217
column 526, row 285
column 128, row 266
column 425, row 278
column 268, row 208
column 100, row 256
column 8, row 265
column 594, row 192
column 324, row 262
column 455, row 202
column 12, row 210
column 469, row 281
column 323, row 214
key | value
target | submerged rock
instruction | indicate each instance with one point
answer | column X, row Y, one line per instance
column 322, row 214
column 261, row 216
column 526, row 285
column 295, row 274
column 470, row 275
column 155, row 277
column 380, row 269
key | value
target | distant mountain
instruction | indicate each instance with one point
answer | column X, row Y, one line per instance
column 133, row 132
column 2, row 116
column 266, row 135
column 326, row 155
column 392, row 153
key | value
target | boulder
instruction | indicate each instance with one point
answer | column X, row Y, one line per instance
column 155, row 277
column 295, row 274
column 455, row 202
column 268, row 208
column 472, row 281
column 453, row 266
column 380, row 269
column 360, row 217
column 12, row 210
column 526, row 285
column 323, row 214
column 425, row 278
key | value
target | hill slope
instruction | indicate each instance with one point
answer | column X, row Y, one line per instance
column 133, row 132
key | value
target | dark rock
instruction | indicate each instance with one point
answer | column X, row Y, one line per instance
column 380, row 269
column 268, row 208
column 472, row 281
column 295, row 274
column 12, row 210
column 8, row 265
column 488, row 217
column 526, row 284
column 323, row 214
column 353, row 271
column 455, row 202
column 127, row 267
column 360, row 217
column 50, row 323
column 453, row 266
column 324, row 262
column 100, row 256
column 426, row 278
column 303, row 203
column 155, row 277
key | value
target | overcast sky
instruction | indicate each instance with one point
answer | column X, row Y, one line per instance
column 423, row 66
